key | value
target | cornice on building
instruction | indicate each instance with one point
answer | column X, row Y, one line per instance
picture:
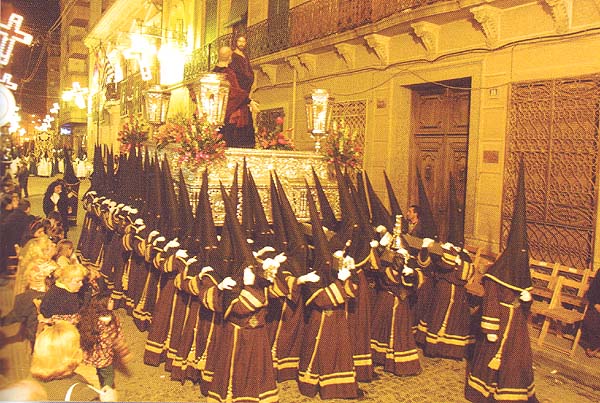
column 118, row 19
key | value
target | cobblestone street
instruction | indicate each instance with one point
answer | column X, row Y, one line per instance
column 442, row 381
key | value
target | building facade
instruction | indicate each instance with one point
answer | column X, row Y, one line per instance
column 457, row 92
column 72, row 122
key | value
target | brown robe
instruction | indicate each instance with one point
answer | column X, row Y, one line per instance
column 502, row 371
column 392, row 339
column 326, row 364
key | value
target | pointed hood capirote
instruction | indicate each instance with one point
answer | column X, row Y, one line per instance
column 327, row 213
column 379, row 215
column 430, row 229
column 456, row 217
column 322, row 262
column 280, row 241
column 262, row 232
column 171, row 206
column 511, row 269
column 69, row 176
column 394, row 205
column 297, row 247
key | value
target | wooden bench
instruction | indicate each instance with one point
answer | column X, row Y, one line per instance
column 567, row 305
column 543, row 278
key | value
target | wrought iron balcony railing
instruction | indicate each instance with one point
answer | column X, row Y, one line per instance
column 304, row 23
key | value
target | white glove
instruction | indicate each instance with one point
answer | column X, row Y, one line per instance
column 152, row 235
column 126, row 209
column 254, row 108
column 404, row 253
column 249, row 276
column 343, row 274
column 206, row 269
column 172, row 244
column 427, row 242
column 92, row 192
column 407, row 271
column 270, row 264
column 157, row 240
column 374, row 243
column 458, row 260
column 262, row 251
column 386, row 240
column 492, row 337
column 339, row 254
column 133, row 211
column 108, row 394
column 525, row 296
column 95, row 200
column 182, row 253
column 381, row 229
column 280, row 258
column 138, row 221
column 227, row 284
column 120, row 205
column 191, row 260
column 349, row 263
column 113, row 203
column 106, row 201
column 219, row 238
column 311, row 277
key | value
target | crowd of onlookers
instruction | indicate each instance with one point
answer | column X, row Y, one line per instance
column 63, row 306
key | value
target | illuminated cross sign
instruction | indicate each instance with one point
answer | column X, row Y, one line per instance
column 76, row 94
column 7, row 81
column 9, row 34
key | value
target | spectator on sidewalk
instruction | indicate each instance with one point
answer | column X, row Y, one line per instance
column 55, row 199
column 56, row 356
column 591, row 321
column 25, row 308
column 23, row 176
column 63, row 301
column 17, row 222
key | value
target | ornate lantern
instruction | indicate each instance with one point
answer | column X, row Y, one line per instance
column 157, row 104
column 211, row 91
column 318, row 115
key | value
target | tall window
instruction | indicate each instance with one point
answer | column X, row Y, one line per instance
column 278, row 23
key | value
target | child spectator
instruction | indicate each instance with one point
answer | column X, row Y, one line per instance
column 55, row 229
column 24, row 309
column 65, row 253
column 63, row 299
column 102, row 338
column 37, row 249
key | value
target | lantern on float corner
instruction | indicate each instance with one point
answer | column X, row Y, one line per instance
column 211, row 92
column 318, row 115
column 157, row 104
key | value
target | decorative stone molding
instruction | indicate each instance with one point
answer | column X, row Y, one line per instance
column 309, row 61
column 296, row 64
column 348, row 53
column 489, row 19
column 381, row 45
column 429, row 34
column 270, row 70
column 562, row 14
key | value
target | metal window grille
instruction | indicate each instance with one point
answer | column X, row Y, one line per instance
column 554, row 126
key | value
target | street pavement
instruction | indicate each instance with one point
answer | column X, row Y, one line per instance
column 558, row 379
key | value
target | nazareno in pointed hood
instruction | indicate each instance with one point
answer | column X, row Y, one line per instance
column 511, row 269
column 262, row 234
column 394, row 205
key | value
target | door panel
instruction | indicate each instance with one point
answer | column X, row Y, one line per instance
column 440, row 144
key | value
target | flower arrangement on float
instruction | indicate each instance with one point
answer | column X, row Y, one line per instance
column 196, row 140
column 134, row 133
column 341, row 146
column 276, row 139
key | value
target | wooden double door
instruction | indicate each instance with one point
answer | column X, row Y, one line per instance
column 440, row 137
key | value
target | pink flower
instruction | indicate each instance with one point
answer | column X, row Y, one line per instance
column 279, row 121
